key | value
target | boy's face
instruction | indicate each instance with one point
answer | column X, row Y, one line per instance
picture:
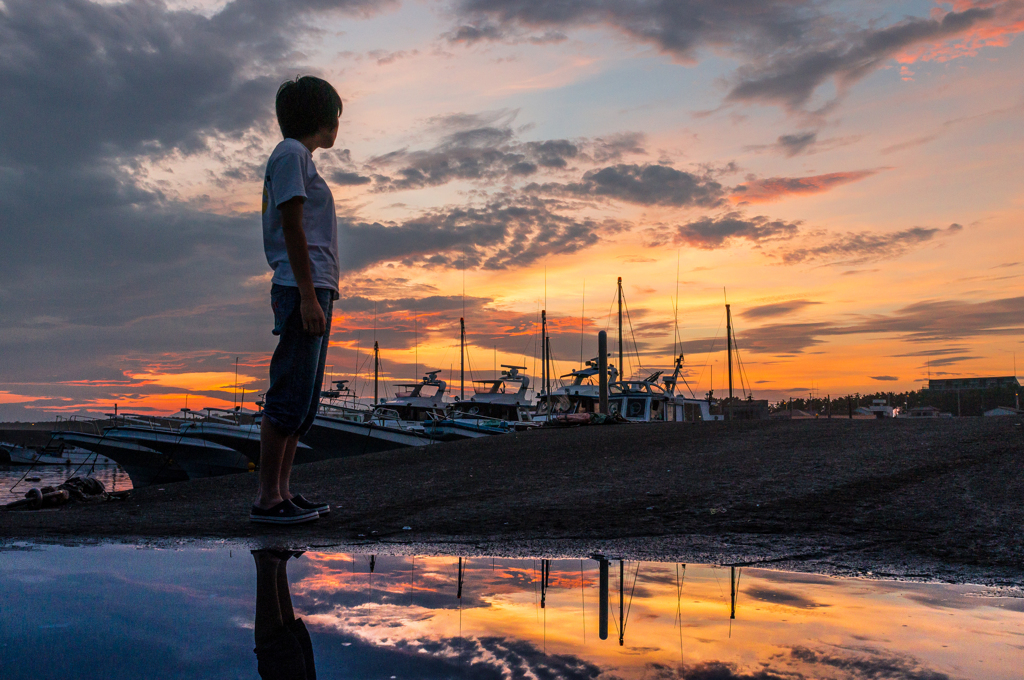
column 328, row 135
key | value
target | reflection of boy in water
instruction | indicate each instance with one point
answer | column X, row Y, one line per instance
column 283, row 648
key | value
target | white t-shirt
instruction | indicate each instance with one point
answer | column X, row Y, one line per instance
column 290, row 173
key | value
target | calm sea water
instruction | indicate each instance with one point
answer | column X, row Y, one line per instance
column 14, row 479
column 126, row 612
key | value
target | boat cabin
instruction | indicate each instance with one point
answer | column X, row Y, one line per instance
column 508, row 398
column 419, row 400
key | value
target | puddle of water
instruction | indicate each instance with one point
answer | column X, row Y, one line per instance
column 124, row 612
column 112, row 476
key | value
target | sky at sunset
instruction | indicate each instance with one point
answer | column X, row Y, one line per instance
column 846, row 174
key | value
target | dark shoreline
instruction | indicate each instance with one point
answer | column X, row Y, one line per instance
column 937, row 500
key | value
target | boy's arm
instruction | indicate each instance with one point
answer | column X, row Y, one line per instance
column 313, row 320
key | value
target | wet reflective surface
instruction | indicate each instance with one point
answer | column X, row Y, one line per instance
column 199, row 612
column 17, row 476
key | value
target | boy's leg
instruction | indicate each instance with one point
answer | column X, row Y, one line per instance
column 273, row 447
column 293, row 386
column 286, row 467
column 324, row 297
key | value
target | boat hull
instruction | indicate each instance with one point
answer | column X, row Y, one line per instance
column 337, row 438
column 197, row 457
column 144, row 466
column 242, row 438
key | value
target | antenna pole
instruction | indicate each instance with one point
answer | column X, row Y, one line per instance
column 462, row 358
column 622, row 370
column 376, row 364
column 543, row 349
column 547, row 361
column 602, row 371
column 728, row 336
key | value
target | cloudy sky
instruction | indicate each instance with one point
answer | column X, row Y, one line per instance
column 846, row 173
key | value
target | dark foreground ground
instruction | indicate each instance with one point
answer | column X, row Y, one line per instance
column 941, row 499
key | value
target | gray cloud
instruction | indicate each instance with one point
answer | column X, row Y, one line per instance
column 473, row 153
column 650, row 184
column 884, row 378
column 791, row 77
column 801, row 144
column 496, row 236
column 859, row 248
column 777, row 309
column 348, row 178
column 792, row 145
column 870, row 663
column 680, row 28
column 709, row 233
column 789, row 49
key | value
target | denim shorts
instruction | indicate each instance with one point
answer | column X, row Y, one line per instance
column 297, row 367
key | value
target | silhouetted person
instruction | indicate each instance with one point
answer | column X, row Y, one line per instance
column 283, row 648
column 300, row 239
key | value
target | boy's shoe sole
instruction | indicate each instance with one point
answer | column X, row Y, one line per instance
column 301, row 502
column 284, row 512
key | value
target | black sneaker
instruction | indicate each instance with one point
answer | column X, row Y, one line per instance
column 321, row 508
column 284, row 512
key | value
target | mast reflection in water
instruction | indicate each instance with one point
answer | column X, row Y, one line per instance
column 198, row 612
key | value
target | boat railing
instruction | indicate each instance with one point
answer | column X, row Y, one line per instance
column 84, row 424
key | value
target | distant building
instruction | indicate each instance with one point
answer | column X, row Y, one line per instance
column 947, row 384
column 748, row 409
column 1004, row 411
column 925, row 412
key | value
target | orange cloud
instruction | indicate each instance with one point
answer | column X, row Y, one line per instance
column 776, row 188
column 199, row 382
column 999, row 32
column 9, row 398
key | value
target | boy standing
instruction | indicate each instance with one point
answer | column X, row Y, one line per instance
column 300, row 237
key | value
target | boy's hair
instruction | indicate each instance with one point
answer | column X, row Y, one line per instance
column 305, row 105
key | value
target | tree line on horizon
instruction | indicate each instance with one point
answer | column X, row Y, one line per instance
column 956, row 402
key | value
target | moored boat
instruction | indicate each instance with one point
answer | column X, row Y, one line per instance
column 145, row 466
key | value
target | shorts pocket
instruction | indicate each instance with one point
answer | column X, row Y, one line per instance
column 283, row 300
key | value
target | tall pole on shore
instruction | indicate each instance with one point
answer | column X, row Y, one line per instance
column 728, row 343
column 462, row 358
column 376, row 366
column 602, row 619
column 622, row 370
column 547, row 363
column 543, row 348
column 602, row 371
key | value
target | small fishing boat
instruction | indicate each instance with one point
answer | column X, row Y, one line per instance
column 54, row 453
column 145, row 466
column 581, row 396
column 197, row 457
column 335, row 437
column 497, row 407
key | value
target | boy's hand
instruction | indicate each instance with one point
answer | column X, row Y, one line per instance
column 313, row 320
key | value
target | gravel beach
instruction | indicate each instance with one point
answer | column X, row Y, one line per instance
column 937, row 499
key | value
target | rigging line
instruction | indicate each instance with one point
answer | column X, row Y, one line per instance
column 631, row 591
column 743, row 370
column 608, row 319
column 675, row 310
column 583, row 315
column 636, row 350
column 707, row 357
column 583, row 603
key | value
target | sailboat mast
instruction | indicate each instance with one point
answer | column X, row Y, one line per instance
column 543, row 348
column 462, row 358
column 376, row 364
column 622, row 370
column 547, row 362
column 728, row 343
